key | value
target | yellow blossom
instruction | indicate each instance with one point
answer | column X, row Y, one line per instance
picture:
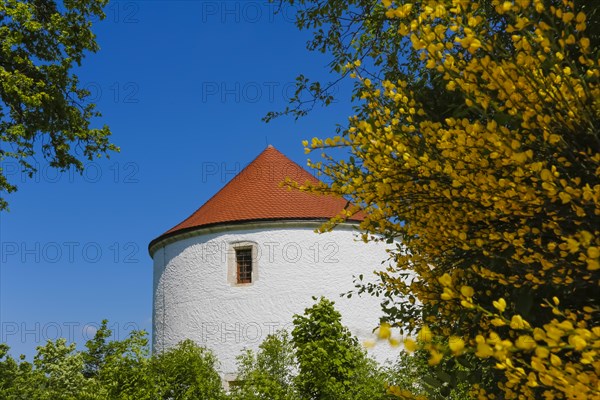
column 500, row 305
column 456, row 344
column 410, row 345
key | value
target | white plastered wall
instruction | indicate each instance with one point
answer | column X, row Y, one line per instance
column 193, row 297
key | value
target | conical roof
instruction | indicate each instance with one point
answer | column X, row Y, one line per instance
column 255, row 194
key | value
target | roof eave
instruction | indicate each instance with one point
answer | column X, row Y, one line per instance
column 171, row 237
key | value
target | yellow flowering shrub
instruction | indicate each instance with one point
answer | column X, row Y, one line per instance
column 497, row 206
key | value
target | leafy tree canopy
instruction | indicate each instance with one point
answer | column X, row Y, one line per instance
column 43, row 108
column 321, row 360
column 111, row 370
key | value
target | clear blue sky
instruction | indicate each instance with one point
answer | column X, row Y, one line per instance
column 183, row 86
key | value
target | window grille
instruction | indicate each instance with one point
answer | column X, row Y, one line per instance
column 244, row 265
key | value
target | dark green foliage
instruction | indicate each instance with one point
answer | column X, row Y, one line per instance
column 452, row 379
column 322, row 360
column 56, row 374
column 43, row 109
column 268, row 373
column 186, row 372
column 327, row 353
column 111, row 370
column 98, row 349
column 123, row 371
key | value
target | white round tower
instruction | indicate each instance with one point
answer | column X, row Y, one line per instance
column 245, row 262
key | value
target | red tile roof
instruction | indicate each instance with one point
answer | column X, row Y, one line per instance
column 255, row 195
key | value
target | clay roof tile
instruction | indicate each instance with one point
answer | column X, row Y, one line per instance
column 255, row 194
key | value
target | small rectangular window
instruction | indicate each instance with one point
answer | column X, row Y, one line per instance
column 244, row 265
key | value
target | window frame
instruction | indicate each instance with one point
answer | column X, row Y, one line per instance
column 233, row 272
